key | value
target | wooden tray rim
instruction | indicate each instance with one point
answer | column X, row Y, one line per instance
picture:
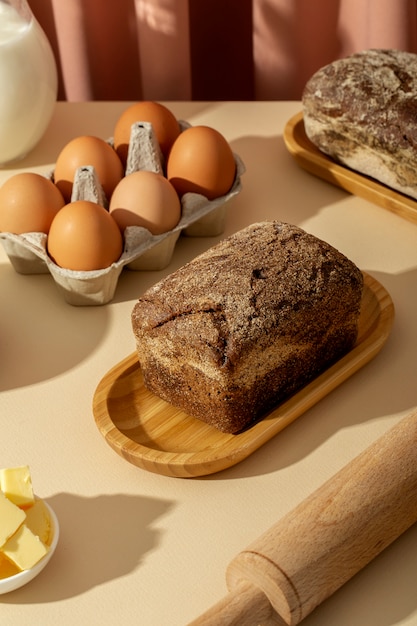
column 209, row 461
column 311, row 159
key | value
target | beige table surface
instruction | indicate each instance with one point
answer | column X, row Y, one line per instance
column 140, row 548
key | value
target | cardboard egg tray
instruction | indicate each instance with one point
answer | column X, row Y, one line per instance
column 142, row 250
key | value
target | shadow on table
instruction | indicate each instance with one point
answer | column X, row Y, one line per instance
column 41, row 336
column 274, row 186
column 101, row 539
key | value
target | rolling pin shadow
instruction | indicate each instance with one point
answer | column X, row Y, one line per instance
column 329, row 537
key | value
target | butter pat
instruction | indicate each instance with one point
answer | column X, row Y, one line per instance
column 11, row 518
column 7, row 568
column 38, row 521
column 24, row 548
column 16, row 484
column 26, row 530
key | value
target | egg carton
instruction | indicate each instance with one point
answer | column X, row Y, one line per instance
column 142, row 251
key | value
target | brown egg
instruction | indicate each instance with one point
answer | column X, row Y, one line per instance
column 84, row 236
column 28, row 203
column 146, row 199
column 201, row 161
column 164, row 124
column 84, row 151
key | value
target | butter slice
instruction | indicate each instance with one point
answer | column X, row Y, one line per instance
column 7, row 568
column 16, row 484
column 24, row 548
column 38, row 521
column 11, row 517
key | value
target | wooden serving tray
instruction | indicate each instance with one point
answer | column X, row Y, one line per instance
column 152, row 434
column 310, row 158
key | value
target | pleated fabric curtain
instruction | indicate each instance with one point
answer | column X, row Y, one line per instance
column 212, row 49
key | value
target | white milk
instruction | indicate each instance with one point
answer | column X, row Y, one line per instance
column 28, row 84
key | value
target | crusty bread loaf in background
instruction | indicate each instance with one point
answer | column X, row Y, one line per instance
column 362, row 111
column 233, row 332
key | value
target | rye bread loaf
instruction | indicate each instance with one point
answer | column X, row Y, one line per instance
column 362, row 111
column 232, row 333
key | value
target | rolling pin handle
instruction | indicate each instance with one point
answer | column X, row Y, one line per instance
column 329, row 537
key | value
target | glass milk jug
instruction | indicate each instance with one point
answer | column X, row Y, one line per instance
column 28, row 80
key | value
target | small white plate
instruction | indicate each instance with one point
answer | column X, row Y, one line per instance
column 22, row 578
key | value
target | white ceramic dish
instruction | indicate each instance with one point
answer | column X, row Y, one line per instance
column 22, row 578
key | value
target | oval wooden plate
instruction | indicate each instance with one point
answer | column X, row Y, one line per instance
column 311, row 159
column 152, row 434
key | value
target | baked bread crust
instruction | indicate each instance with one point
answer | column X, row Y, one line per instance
column 362, row 111
column 232, row 333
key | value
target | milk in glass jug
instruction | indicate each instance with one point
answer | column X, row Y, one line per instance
column 28, row 80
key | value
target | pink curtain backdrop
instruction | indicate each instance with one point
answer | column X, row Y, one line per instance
column 212, row 49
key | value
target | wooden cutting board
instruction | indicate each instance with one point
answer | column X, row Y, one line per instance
column 312, row 160
column 153, row 435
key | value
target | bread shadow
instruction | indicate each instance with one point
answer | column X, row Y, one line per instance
column 101, row 539
column 291, row 194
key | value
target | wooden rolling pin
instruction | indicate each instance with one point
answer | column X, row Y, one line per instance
column 325, row 540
